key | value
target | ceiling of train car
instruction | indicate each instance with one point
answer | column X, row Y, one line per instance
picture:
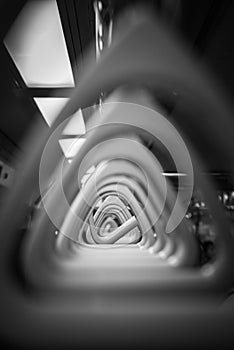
column 207, row 26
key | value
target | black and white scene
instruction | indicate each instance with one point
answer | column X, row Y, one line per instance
column 117, row 174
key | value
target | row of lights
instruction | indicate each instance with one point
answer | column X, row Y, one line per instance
column 100, row 29
column 100, row 15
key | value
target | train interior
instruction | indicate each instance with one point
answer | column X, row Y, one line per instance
column 116, row 174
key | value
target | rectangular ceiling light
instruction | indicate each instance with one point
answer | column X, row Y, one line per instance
column 37, row 45
column 71, row 146
column 50, row 107
column 76, row 125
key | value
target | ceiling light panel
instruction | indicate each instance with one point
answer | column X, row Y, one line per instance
column 50, row 107
column 71, row 146
column 37, row 45
column 76, row 125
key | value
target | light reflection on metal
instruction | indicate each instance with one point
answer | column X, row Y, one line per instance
column 174, row 174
